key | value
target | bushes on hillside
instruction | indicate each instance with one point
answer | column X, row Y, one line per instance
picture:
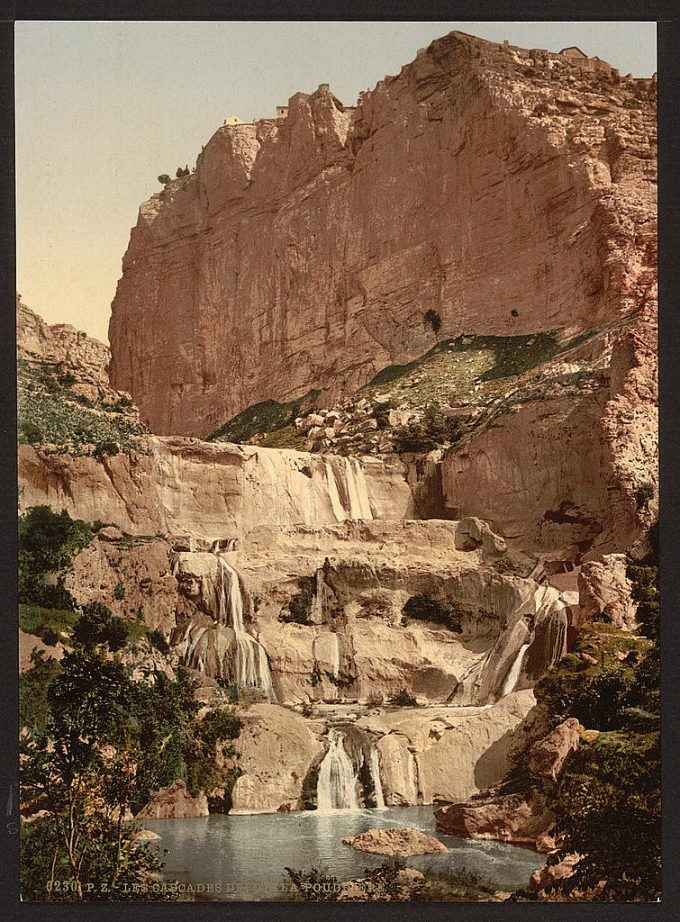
column 300, row 605
column 48, row 541
column 423, row 607
column 433, row 430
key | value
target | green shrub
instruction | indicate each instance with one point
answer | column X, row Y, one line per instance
column 99, row 626
column 30, row 432
column 119, row 591
column 452, row 885
column 433, row 318
column 157, row 640
column 46, row 622
column 433, row 430
column 266, row 416
column 300, row 605
column 424, row 608
column 644, row 493
column 105, row 449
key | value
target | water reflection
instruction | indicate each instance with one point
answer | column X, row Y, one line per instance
column 246, row 855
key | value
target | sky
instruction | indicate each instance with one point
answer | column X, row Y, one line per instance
column 103, row 108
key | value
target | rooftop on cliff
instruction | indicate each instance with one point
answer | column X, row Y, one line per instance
column 572, row 53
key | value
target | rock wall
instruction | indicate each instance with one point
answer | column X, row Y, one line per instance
column 572, row 477
column 511, row 191
column 213, row 491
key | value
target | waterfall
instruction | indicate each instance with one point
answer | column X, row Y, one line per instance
column 349, row 474
column 357, row 491
column 333, row 495
column 187, row 648
column 335, row 662
column 336, row 787
column 374, row 767
column 514, row 671
column 252, row 665
column 224, row 545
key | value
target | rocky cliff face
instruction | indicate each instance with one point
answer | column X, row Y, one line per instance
column 509, row 191
column 511, row 194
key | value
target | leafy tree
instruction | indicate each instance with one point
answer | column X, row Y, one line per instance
column 164, row 179
column 33, row 686
column 48, row 541
column 105, row 449
column 157, row 639
column 95, row 744
column 98, row 626
column 613, row 818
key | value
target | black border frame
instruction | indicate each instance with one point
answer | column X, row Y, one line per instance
column 667, row 15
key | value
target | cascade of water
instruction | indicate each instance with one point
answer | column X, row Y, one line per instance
column 374, row 767
column 336, row 786
column 223, row 544
column 187, row 648
column 514, row 671
column 359, row 503
column 333, row 495
column 252, row 665
column 335, row 661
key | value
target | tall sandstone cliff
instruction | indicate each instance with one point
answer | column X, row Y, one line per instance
column 511, row 191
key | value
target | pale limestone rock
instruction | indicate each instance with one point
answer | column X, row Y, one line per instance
column 210, row 490
column 401, row 842
column 276, row 749
column 605, row 592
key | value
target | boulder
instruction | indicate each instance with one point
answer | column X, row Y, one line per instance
column 548, row 755
column 501, row 817
column 174, row 803
column 401, row 842
column 605, row 592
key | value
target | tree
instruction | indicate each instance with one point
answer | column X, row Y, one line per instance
column 164, row 179
column 98, row 626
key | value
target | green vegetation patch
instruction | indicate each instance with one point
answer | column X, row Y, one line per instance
column 263, row 417
column 300, row 605
column 597, row 693
column 50, row 412
column 423, row 607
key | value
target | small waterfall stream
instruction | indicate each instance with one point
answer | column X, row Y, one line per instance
column 336, row 786
column 346, row 476
column 252, row 665
column 514, row 671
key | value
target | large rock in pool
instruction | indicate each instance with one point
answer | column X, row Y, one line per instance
column 174, row 803
column 399, row 843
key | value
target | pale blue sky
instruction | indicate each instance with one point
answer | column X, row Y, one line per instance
column 103, row 107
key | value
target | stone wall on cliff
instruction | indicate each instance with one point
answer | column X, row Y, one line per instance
column 510, row 191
